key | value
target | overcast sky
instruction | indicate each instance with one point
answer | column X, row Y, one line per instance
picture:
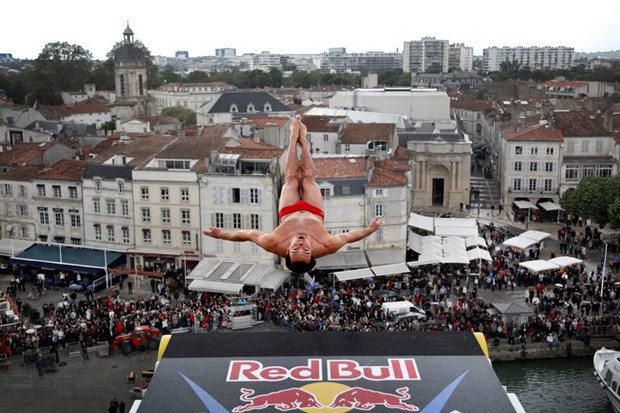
column 277, row 26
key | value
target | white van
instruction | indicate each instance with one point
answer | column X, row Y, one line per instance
column 396, row 308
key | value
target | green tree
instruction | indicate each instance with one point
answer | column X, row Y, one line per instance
column 197, row 76
column 168, row 75
column 185, row 115
column 103, row 75
column 614, row 213
column 108, row 126
column 59, row 67
column 593, row 197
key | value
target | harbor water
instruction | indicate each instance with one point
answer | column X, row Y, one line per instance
column 554, row 385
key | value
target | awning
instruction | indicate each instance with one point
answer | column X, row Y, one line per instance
column 414, row 241
column 385, row 256
column 162, row 252
column 525, row 205
column 274, row 280
column 215, row 287
column 342, row 260
column 393, row 269
column 519, row 242
column 479, row 254
column 421, row 221
column 456, row 231
column 69, row 258
column 12, row 246
column 550, row 206
column 354, row 274
column 422, row 262
column 565, row 261
column 539, row 265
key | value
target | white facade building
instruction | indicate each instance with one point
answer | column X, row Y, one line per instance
column 420, row 55
column 533, row 57
column 461, row 56
column 188, row 95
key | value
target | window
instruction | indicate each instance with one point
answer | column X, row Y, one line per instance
column 165, row 195
column 236, row 247
column 44, row 217
column 110, row 229
column 236, row 221
column 120, row 185
column 184, row 194
column 548, row 166
column 146, row 215
column 165, row 236
column 165, row 215
column 518, row 166
column 570, row 147
column 76, row 221
column 254, row 196
column 347, row 147
column 187, row 237
column 59, row 216
column 326, row 193
column 379, row 192
column 125, row 208
column 22, row 210
column 22, row 191
column 379, row 210
column 7, row 189
column 57, row 191
column 603, row 171
column 219, row 245
column 533, row 166
column 254, row 221
column 40, row 190
column 534, row 150
column 97, row 205
column 218, row 195
column 98, row 185
column 219, row 220
column 588, row 171
column 98, row 232
column 76, row 241
column 125, row 231
column 379, row 234
column 146, row 236
column 548, row 185
column 518, row 150
column 185, row 216
column 532, row 185
column 572, row 173
column 346, row 190
column 73, row 192
column 550, row 150
column 599, row 146
column 325, row 137
column 111, row 206
column 516, row 185
column 144, row 193
column 235, row 194
column 584, row 147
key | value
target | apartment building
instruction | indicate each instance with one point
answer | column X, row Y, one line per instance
column 338, row 60
column 421, row 55
column 17, row 207
column 547, row 57
column 461, row 57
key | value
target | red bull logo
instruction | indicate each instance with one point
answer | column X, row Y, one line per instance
column 336, row 370
column 324, row 398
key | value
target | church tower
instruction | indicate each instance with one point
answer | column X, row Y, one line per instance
column 130, row 76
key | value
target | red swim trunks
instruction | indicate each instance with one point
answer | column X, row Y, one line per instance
column 301, row 206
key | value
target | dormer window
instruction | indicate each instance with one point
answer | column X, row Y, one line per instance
column 251, row 108
column 267, row 107
column 234, row 108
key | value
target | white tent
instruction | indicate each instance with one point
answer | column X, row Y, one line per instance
column 479, row 254
column 519, row 242
column 390, row 269
column 535, row 235
column 539, row 265
column 461, row 227
column 475, row 241
column 565, row 261
column 421, row 221
column 525, row 205
column 420, row 262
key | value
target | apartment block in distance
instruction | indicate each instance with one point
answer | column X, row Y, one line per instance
column 547, row 57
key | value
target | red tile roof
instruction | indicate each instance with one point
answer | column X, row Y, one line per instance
column 473, row 105
column 362, row 133
column 581, row 123
column 340, row 167
column 564, row 83
column 537, row 133
column 261, row 122
column 66, row 169
column 141, row 147
column 22, row 173
column 317, row 124
column 24, row 153
column 57, row 112
column 251, row 149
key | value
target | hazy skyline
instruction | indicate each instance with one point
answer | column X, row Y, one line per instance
column 307, row 27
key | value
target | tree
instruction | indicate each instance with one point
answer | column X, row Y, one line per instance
column 614, row 213
column 197, row 76
column 185, row 115
column 593, row 197
column 59, row 67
